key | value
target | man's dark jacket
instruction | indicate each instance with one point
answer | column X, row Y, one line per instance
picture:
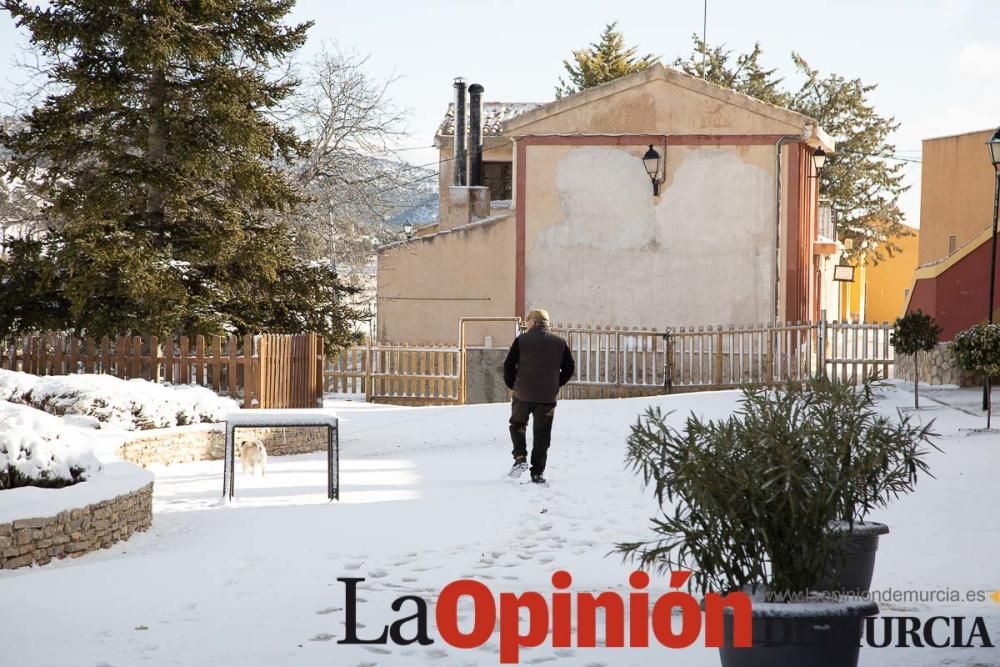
column 538, row 363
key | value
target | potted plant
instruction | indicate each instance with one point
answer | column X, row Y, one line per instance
column 977, row 350
column 874, row 459
column 747, row 503
column 913, row 333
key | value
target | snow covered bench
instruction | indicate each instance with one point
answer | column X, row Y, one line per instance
column 287, row 419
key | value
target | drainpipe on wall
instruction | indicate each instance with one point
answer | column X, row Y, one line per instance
column 475, row 135
column 777, row 219
column 459, row 152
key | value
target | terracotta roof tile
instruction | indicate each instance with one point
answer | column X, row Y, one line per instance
column 494, row 114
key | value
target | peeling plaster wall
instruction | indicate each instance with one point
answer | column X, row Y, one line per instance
column 601, row 250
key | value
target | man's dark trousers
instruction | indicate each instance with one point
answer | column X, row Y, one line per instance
column 542, row 415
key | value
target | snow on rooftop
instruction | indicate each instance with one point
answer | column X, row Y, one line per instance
column 494, row 115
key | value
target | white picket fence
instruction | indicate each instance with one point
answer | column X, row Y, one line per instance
column 619, row 362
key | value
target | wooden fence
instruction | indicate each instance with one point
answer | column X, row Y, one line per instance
column 850, row 352
column 621, row 362
column 265, row 371
column 399, row 374
column 617, row 362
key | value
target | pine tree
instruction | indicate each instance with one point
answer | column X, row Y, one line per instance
column 862, row 186
column 604, row 60
column 744, row 73
column 162, row 166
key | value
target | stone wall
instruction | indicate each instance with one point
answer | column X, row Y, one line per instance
column 183, row 445
column 72, row 533
column 484, row 375
column 936, row 367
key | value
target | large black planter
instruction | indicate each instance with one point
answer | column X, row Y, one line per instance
column 822, row 634
column 855, row 563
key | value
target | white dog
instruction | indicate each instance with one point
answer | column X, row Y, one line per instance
column 253, row 456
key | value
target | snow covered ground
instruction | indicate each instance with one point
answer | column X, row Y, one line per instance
column 424, row 502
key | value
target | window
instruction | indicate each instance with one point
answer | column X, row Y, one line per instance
column 952, row 244
column 498, row 177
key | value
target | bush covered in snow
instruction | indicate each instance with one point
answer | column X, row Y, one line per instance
column 37, row 449
column 127, row 404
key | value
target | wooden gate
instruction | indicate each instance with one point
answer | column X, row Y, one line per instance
column 851, row 352
column 397, row 374
column 291, row 371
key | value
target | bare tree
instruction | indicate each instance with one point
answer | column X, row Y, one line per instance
column 351, row 177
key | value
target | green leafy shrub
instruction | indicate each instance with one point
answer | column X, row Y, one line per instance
column 748, row 501
column 913, row 333
column 12, row 478
column 977, row 349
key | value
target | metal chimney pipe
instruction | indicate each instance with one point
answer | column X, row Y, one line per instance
column 475, row 134
column 459, row 156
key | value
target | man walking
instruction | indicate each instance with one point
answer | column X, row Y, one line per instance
column 538, row 363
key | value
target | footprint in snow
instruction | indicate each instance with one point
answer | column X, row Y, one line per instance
column 565, row 652
column 378, row 573
column 377, row 649
column 545, row 559
column 436, row 654
column 353, row 566
column 321, row 637
column 329, row 610
column 410, row 580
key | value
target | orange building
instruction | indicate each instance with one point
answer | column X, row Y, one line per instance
column 956, row 220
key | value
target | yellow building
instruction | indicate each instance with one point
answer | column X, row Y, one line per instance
column 879, row 292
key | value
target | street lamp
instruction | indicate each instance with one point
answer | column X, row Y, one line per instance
column 819, row 159
column 651, row 160
column 994, row 145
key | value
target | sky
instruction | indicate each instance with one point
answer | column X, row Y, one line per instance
column 936, row 62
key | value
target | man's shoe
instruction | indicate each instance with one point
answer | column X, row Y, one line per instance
column 538, row 479
column 520, row 465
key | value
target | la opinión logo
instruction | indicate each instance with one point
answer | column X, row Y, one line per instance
column 555, row 615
